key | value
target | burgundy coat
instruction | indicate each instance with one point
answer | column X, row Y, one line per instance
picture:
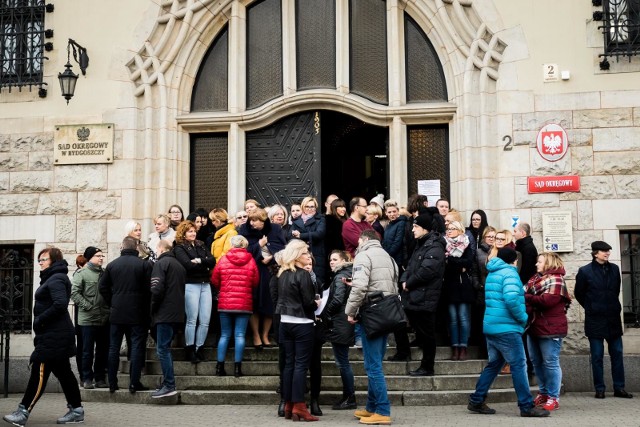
column 235, row 275
column 547, row 310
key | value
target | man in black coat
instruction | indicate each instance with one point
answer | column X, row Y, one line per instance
column 598, row 292
column 422, row 285
column 125, row 288
column 524, row 245
column 167, row 311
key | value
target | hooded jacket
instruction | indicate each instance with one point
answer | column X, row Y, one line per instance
column 54, row 333
column 340, row 330
column 424, row 274
column 393, row 241
column 222, row 240
column 235, row 276
column 504, row 297
column 546, row 304
column 92, row 310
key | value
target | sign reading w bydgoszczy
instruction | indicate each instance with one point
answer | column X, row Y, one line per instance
column 83, row 144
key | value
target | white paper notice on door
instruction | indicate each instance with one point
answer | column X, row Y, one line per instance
column 429, row 187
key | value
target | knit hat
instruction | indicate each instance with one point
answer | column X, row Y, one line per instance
column 90, row 252
column 599, row 245
column 424, row 220
column 378, row 200
column 508, row 255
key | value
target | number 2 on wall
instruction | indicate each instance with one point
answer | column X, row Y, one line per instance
column 507, row 146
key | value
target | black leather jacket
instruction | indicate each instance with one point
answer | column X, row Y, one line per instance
column 295, row 294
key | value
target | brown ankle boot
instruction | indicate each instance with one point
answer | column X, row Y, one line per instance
column 455, row 353
column 463, row 354
column 288, row 408
column 300, row 413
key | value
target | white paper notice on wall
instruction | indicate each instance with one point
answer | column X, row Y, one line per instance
column 429, row 187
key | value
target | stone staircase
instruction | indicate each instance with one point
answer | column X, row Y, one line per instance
column 198, row 385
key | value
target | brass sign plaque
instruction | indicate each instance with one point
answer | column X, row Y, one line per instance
column 83, row 144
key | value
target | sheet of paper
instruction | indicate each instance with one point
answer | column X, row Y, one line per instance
column 323, row 302
column 429, row 187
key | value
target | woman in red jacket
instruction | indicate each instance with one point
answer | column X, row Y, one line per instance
column 547, row 301
column 235, row 276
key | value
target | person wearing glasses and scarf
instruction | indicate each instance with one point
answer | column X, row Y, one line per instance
column 310, row 228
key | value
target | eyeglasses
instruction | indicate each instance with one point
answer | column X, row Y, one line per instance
column 452, row 229
column 310, row 207
column 242, row 216
column 490, row 237
column 41, row 260
column 500, row 239
column 174, row 212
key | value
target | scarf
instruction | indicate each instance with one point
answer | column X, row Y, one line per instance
column 551, row 282
column 456, row 245
column 306, row 217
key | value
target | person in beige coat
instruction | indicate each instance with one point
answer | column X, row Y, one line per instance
column 373, row 270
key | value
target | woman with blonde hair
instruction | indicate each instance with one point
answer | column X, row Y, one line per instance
column 277, row 214
column 225, row 230
column 295, row 296
column 548, row 300
column 310, row 227
column 198, row 262
column 134, row 229
column 163, row 231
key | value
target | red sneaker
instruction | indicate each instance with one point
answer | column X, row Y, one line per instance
column 540, row 400
column 552, row 404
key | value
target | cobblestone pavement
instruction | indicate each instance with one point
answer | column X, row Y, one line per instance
column 577, row 409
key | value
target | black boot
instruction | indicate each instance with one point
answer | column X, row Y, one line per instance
column 347, row 402
column 237, row 370
column 220, row 372
column 200, row 355
column 315, row 408
column 281, row 408
column 190, row 351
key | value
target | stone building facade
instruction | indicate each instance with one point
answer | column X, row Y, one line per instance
column 146, row 57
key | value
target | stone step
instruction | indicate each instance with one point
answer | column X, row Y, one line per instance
column 329, row 382
column 256, row 368
column 271, row 353
column 265, row 397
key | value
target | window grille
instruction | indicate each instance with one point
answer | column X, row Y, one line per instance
column 620, row 27
column 22, row 43
column 16, row 287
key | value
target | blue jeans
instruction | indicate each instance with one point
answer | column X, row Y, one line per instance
column 377, row 399
column 138, row 335
column 164, row 335
column 617, row 365
column 97, row 336
column 197, row 305
column 545, row 358
column 227, row 321
column 510, row 349
column 459, row 324
column 341, row 354
column 297, row 339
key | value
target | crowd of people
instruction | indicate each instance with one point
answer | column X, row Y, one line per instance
column 297, row 278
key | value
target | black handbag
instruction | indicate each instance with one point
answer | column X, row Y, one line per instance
column 381, row 315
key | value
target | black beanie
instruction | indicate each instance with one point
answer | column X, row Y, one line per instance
column 90, row 252
column 424, row 220
column 508, row 255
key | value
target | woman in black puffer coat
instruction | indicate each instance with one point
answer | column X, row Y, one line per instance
column 54, row 341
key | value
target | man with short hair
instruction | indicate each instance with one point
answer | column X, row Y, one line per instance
column 125, row 288
column 355, row 225
column 504, row 322
column 443, row 207
column 167, row 311
column 524, row 245
column 373, row 270
column 598, row 292
column 327, row 203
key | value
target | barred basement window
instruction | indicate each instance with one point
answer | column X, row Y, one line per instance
column 621, row 27
column 21, row 42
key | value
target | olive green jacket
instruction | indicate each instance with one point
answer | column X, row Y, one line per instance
column 92, row 309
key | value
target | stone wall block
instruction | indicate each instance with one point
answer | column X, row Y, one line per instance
column 568, row 101
column 585, row 215
column 57, row 204
column 581, row 254
column 41, row 161
column 535, row 121
column 80, row 177
column 96, row 204
column 5, row 143
column 616, row 163
column 31, row 182
column 627, row 186
column 516, row 122
column 19, row 204
column 636, row 117
column 11, row 162
column 581, row 161
column 4, row 182
column 91, row 233
column 579, row 137
column 65, row 228
column 527, row 137
column 38, row 142
column 525, row 200
column 616, row 139
column 540, row 166
column 603, row 118
column 593, row 187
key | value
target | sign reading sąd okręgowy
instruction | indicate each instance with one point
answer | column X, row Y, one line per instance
column 83, row 144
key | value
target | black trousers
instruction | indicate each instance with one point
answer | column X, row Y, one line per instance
column 315, row 365
column 424, row 323
column 40, row 372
